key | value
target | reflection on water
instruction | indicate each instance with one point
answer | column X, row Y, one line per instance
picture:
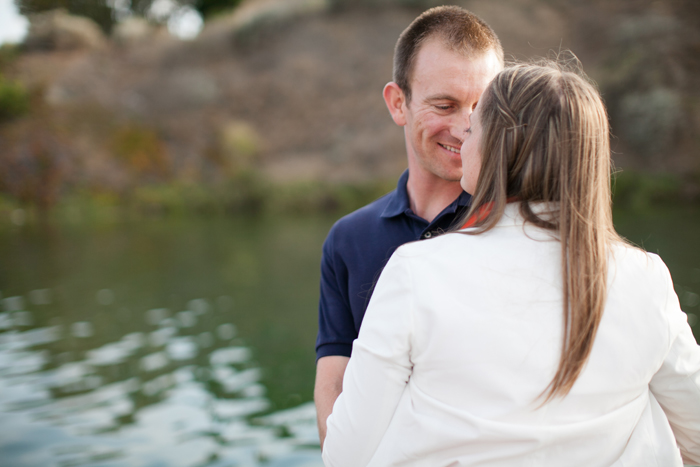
column 167, row 396
column 165, row 342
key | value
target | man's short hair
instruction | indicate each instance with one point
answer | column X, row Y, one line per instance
column 459, row 29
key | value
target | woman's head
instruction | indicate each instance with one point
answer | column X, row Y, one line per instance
column 544, row 137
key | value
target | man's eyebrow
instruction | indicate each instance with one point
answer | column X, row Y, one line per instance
column 441, row 97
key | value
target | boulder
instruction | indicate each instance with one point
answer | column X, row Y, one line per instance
column 133, row 30
column 59, row 30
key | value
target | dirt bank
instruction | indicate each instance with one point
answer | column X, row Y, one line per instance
column 299, row 98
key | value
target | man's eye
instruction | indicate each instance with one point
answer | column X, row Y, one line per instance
column 444, row 107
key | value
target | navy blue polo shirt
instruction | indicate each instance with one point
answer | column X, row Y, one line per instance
column 356, row 250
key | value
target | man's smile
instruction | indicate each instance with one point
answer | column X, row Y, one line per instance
column 450, row 148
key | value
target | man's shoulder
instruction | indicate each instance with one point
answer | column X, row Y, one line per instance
column 362, row 221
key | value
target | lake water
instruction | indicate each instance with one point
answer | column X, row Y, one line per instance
column 189, row 342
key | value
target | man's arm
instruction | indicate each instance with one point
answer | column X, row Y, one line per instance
column 329, row 385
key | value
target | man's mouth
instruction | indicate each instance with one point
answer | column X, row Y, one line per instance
column 450, row 148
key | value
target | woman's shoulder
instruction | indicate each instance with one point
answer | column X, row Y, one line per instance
column 646, row 270
column 442, row 243
column 630, row 255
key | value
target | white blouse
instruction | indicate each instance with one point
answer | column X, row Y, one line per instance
column 462, row 335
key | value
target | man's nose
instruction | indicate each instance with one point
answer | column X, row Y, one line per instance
column 460, row 123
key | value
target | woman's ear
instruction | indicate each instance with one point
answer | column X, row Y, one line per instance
column 396, row 102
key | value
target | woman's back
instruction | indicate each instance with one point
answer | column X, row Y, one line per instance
column 505, row 325
column 479, row 319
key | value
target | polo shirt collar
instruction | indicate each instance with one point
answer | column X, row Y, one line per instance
column 400, row 204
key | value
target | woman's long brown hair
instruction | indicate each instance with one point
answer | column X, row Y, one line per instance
column 545, row 138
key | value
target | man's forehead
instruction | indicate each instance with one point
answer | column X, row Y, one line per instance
column 435, row 49
column 437, row 62
column 463, row 50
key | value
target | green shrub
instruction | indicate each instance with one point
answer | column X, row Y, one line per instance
column 8, row 54
column 14, row 99
column 249, row 193
column 209, row 8
column 315, row 197
column 172, row 198
column 141, row 149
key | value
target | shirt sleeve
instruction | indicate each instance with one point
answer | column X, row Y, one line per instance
column 676, row 385
column 377, row 373
column 336, row 326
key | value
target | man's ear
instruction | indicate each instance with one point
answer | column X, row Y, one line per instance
column 396, row 102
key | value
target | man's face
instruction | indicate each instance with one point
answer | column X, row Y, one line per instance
column 445, row 88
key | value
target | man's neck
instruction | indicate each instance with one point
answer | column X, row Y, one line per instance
column 430, row 195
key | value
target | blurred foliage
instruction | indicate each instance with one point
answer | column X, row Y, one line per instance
column 246, row 192
column 103, row 14
column 250, row 193
column 14, row 99
column 7, row 205
column 644, row 83
column 238, row 147
column 646, row 58
column 209, row 8
column 172, row 198
column 8, row 55
column 639, row 191
column 419, row 4
column 312, row 196
column 35, row 166
column 98, row 11
column 141, row 149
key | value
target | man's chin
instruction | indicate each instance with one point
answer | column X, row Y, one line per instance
column 446, row 172
column 450, row 173
column 451, row 176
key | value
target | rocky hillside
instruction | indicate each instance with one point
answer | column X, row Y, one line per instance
column 291, row 90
